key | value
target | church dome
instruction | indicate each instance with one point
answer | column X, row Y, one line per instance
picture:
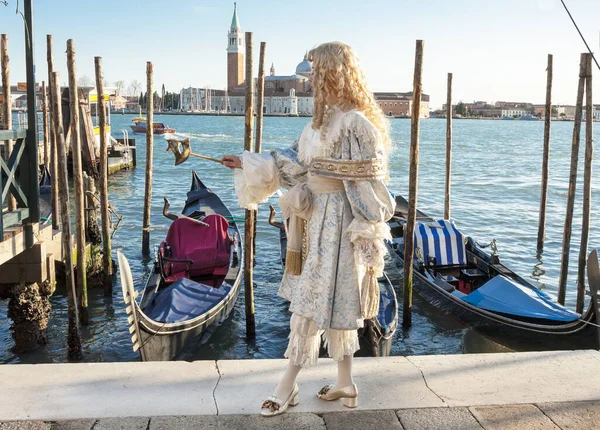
column 305, row 67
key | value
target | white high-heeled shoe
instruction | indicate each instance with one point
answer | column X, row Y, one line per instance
column 274, row 406
column 349, row 394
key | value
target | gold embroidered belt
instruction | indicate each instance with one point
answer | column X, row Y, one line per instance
column 349, row 170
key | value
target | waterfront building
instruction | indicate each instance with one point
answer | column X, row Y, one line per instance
column 400, row 104
column 515, row 109
column 484, row 109
column 117, row 102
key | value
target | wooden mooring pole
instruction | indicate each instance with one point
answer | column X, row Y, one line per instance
column 249, row 222
column 260, row 102
column 546, row 158
column 73, row 335
column 566, row 243
column 107, row 268
column 6, row 100
column 448, row 147
column 149, row 152
column 45, row 126
column 77, row 184
column 409, row 231
column 260, row 96
column 53, row 151
column 587, row 183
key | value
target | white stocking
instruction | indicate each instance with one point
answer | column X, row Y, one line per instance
column 287, row 381
column 344, row 373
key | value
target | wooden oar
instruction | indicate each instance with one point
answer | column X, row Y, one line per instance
column 207, row 158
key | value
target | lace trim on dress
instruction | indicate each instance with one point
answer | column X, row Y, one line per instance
column 305, row 341
column 340, row 343
column 370, row 253
column 369, row 248
column 257, row 181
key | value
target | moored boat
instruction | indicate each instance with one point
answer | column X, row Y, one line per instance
column 195, row 280
column 140, row 124
column 452, row 272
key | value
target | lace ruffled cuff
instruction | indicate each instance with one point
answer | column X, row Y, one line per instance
column 256, row 181
column 367, row 238
column 368, row 230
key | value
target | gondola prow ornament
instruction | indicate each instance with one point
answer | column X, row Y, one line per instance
column 177, row 141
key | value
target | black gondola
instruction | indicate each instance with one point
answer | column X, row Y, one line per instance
column 484, row 293
column 195, row 280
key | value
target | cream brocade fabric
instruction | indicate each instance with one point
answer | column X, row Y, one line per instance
column 346, row 226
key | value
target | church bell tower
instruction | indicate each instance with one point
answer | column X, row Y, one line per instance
column 235, row 53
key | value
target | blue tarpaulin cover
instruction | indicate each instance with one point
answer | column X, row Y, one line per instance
column 184, row 300
column 504, row 295
column 386, row 308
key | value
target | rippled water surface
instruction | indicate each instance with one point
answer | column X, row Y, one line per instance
column 495, row 194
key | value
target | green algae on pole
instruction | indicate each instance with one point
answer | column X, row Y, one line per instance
column 409, row 232
column 103, row 185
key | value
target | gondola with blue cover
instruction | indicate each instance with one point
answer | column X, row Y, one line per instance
column 454, row 273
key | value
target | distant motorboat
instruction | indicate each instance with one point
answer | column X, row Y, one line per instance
column 140, row 124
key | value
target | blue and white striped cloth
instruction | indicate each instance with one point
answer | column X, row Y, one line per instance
column 442, row 240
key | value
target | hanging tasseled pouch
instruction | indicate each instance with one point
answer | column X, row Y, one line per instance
column 369, row 300
column 293, row 262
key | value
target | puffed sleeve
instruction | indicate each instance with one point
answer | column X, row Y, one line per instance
column 371, row 202
column 263, row 174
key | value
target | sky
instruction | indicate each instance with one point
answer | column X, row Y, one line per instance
column 496, row 49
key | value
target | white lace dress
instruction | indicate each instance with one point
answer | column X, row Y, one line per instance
column 345, row 232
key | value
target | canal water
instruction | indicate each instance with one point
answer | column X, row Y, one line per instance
column 495, row 194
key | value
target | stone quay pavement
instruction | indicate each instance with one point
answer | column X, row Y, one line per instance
column 528, row 390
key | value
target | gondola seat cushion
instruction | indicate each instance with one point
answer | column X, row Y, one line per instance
column 184, row 300
column 442, row 240
column 208, row 247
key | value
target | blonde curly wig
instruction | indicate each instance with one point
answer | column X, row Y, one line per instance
column 338, row 80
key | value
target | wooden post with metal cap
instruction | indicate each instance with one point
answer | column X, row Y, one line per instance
column 409, row 231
